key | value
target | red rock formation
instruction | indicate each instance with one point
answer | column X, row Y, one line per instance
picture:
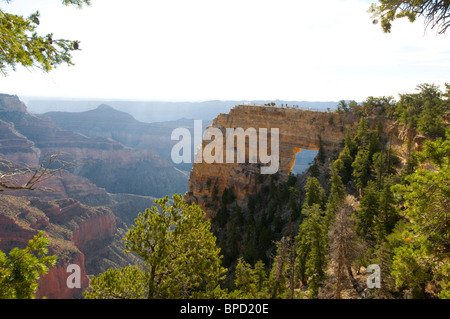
column 12, row 234
column 96, row 228
column 102, row 160
column 78, row 235
column 54, row 284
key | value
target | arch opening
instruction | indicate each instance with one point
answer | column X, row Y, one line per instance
column 304, row 159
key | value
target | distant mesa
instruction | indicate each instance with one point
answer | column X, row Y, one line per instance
column 105, row 107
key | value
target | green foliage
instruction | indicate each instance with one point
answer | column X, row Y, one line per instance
column 125, row 283
column 434, row 12
column 315, row 194
column 350, row 144
column 412, row 248
column 362, row 133
column 427, row 194
column 426, row 197
column 337, row 191
column 282, row 269
column 20, row 271
column 388, row 213
column 378, row 106
column 251, row 283
column 342, row 107
column 314, row 170
column 366, row 215
column 346, row 169
column 362, row 168
column 311, row 243
column 21, row 45
column 178, row 250
column 424, row 110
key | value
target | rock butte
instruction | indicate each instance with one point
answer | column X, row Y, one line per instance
column 298, row 129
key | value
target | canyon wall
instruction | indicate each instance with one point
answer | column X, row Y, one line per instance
column 26, row 138
column 90, row 237
column 298, row 129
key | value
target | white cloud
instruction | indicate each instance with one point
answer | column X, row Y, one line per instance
column 252, row 49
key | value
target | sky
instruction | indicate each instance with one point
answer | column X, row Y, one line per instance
column 196, row 50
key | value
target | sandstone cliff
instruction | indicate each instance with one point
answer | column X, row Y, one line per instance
column 77, row 233
column 88, row 236
column 298, row 129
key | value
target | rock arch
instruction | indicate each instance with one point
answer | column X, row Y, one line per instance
column 298, row 129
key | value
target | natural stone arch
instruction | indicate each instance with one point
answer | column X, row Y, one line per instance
column 298, row 129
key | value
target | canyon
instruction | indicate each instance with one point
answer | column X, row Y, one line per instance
column 86, row 210
column 124, row 166
column 78, row 235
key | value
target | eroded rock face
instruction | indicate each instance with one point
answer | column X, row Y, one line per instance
column 26, row 139
column 11, row 103
column 298, row 129
column 54, row 284
column 79, row 234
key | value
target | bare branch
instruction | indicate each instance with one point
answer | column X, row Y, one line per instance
column 13, row 177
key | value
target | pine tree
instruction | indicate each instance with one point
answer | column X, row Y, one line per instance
column 245, row 280
column 368, row 212
column 178, row 250
column 337, row 192
column 311, row 246
column 315, row 194
column 350, row 144
column 343, row 245
column 362, row 134
column 425, row 251
column 20, row 271
column 362, row 169
column 279, row 273
column 21, row 45
column 346, row 169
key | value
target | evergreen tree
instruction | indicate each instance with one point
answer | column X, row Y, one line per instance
column 337, row 192
column 346, row 169
column 21, row 45
column 424, row 111
column 362, row 169
column 350, row 144
column 387, row 215
column 280, row 269
column 368, row 213
column 246, row 280
column 20, row 271
column 425, row 251
column 315, row 194
column 311, row 245
column 178, row 250
column 362, row 134
column 435, row 13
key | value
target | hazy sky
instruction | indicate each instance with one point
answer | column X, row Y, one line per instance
column 231, row 49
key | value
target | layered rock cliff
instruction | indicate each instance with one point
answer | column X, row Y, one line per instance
column 298, row 129
column 105, row 121
column 88, row 236
column 107, row 163
column 77, row 233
